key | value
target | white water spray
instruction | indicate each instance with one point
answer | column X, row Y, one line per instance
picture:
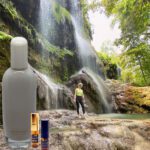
column 50, row 89
column 45, row 17
column 101, row 88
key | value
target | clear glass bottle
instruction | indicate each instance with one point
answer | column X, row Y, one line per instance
column 19, row 85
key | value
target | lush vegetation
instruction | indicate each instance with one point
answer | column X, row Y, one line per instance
column 60, row 13
column 110, row 61
column 133, row 16
column 4, row 36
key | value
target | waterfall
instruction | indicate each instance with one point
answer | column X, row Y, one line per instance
column 45, row 17
column 51, row 92
column 87, row 54
column 48, row 89
column 51, row 89
column 101, row 88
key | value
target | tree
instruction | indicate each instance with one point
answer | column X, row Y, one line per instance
column 133, row 16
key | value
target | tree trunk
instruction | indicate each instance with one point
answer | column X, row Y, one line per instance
column 139, row 60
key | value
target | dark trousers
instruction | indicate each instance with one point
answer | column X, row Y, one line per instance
column 79, row 100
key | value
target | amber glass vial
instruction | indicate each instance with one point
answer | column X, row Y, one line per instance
column 34, row 130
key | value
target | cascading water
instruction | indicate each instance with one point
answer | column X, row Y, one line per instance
column 45, row 17
column 51, row 92
column 46, row 28
column 101, row 88
column 86, row 53
column 48, row 89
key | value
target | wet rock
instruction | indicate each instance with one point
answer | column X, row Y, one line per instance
column 29, row 9
column 93, row 133
column 128, row 98
column 97, row 96
column 52, row 95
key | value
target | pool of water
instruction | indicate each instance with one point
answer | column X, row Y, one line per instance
column 126, row 116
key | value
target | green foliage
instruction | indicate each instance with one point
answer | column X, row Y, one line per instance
column 94, row 5
column 110, row 64
column 128, row 76
column 60, row 53
column 4, row 36
column 60, row 13
column 133, row 16
column 9, row 6
column 137, row 61
column 4, row 53
column 104, row 57
column 20, row 25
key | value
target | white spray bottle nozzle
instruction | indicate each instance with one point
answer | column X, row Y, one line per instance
column 19, row 53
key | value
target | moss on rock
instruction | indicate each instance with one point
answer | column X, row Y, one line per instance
column 4, row 36
column 4, row 52
column 4, row 61
column 139, row 97
column 60, row 13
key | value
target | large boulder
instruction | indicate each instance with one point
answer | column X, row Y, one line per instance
column 51, row 95
column 128, row 98
column 97, row 96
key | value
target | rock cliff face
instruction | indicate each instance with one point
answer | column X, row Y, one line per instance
column 63, row 35
column 29, row 9
column 19, row 18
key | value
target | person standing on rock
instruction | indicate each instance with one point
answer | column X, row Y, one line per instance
column 79, row 99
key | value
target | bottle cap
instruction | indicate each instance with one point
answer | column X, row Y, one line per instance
column 19, row 53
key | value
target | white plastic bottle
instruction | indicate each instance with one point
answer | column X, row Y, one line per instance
column 18, row 96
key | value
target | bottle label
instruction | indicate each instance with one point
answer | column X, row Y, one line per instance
column 44, row 143
column 34, row 138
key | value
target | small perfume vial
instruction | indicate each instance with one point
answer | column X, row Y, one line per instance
column 34, row 130
column 44, row 134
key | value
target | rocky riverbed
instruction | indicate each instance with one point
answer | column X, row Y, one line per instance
column 95, row 132
column 128, row 98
